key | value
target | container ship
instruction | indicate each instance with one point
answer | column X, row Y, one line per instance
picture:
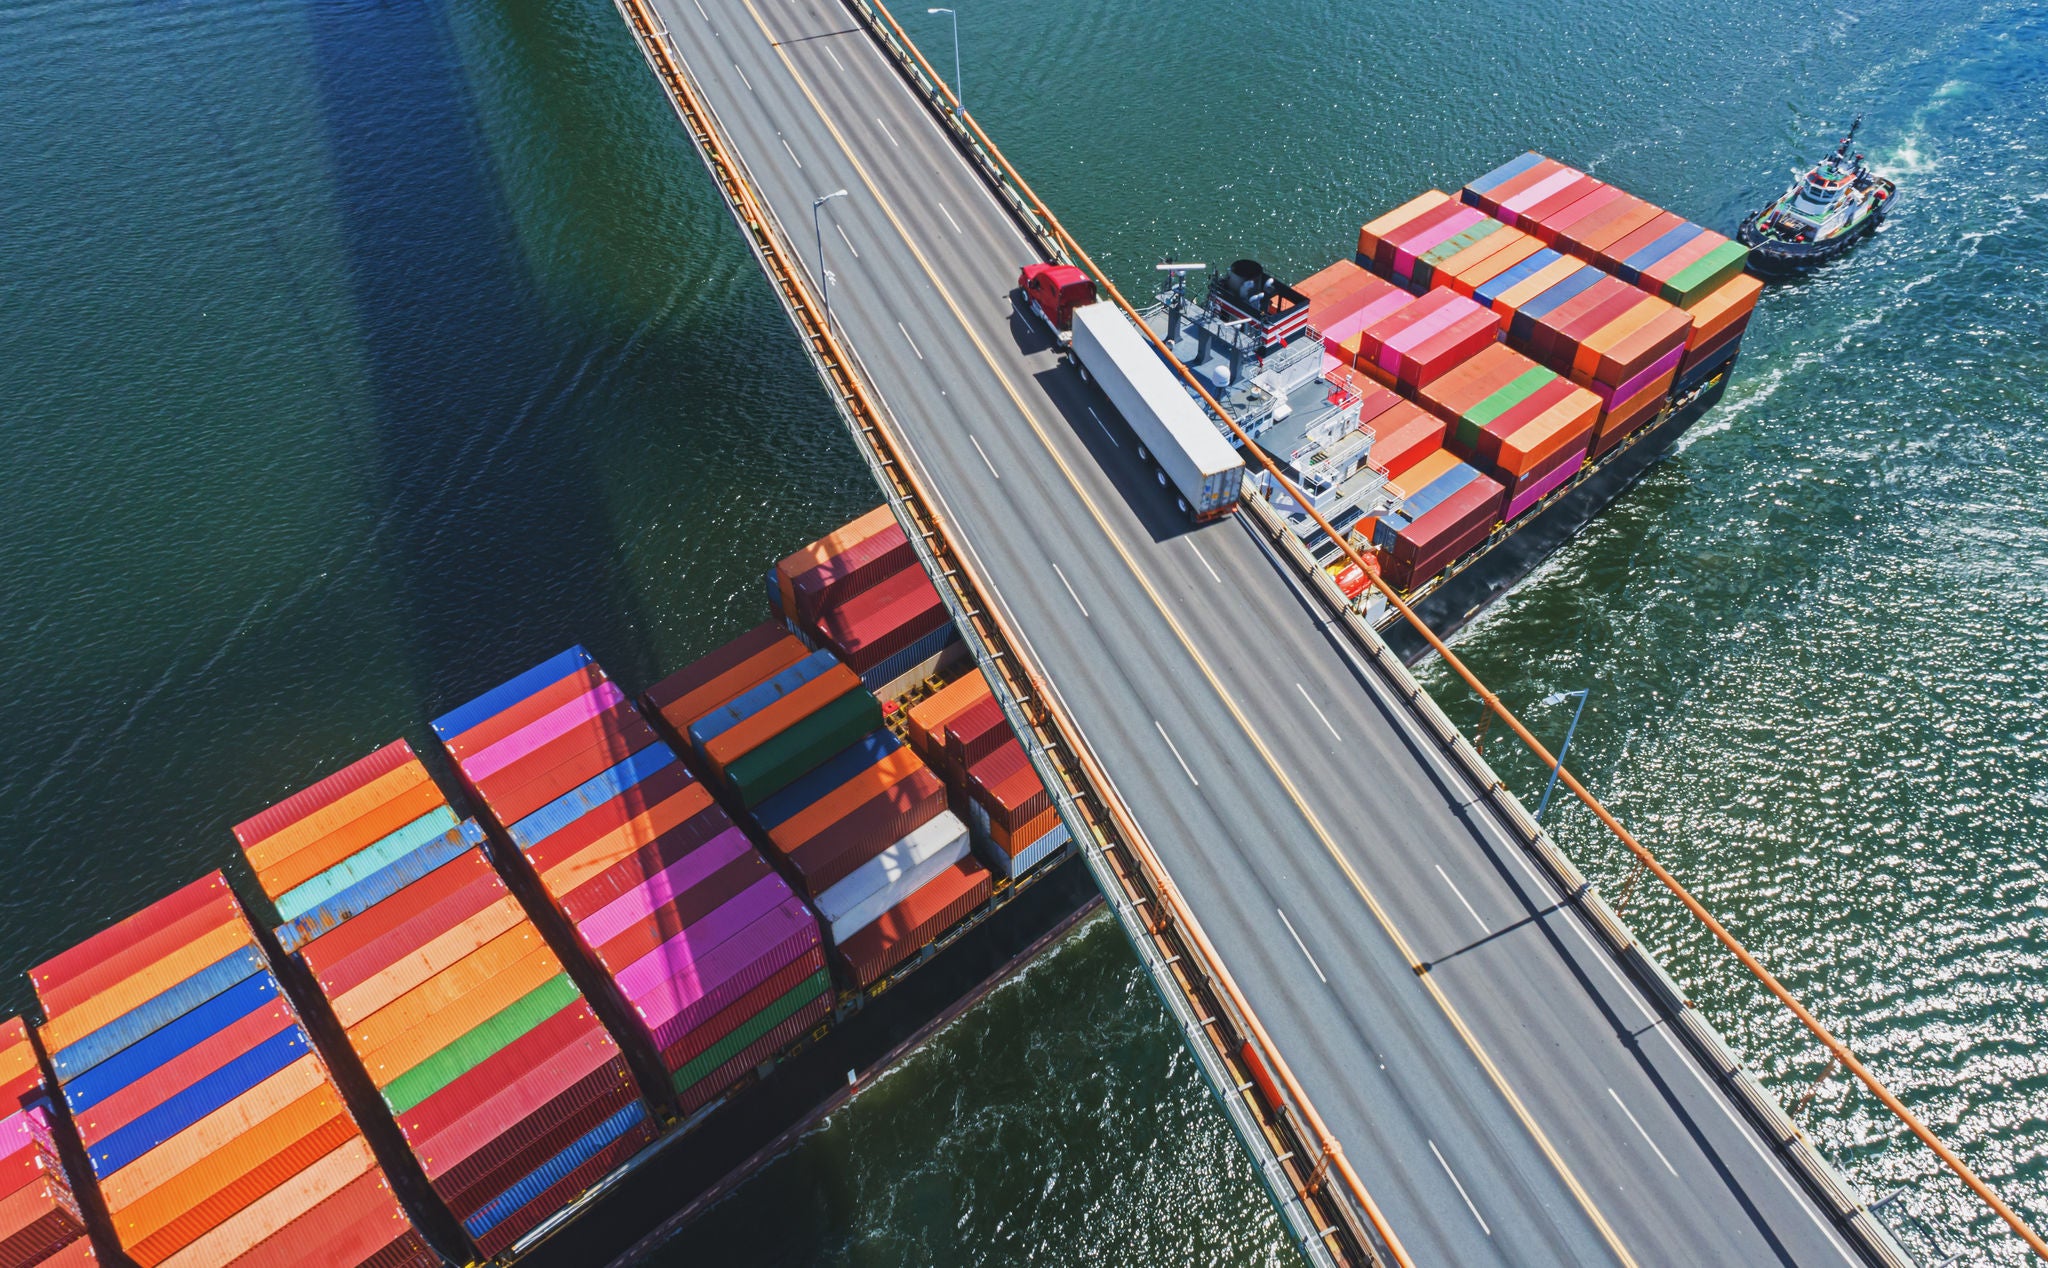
column 618, row 951
column 1488, row 372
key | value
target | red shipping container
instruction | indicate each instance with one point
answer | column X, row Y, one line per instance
column 608, row 1083
column 1404, row 436
column 1444, row 351
column 584, row 831
column 786, row 1032
column 1560, row 224
column 1598, row 224
column 1489, row 201
column 36, row 1220
column 578, row 682
column 325, row 793
column 1533, row 218
column 871, row 627
column 709, row 666
column 540, row 1137
column 910, row 925
column 1624, row 422
column 511, row 804
column 850, row 572
column 668, row 848
column 649, row 932
column 345, row 1229
column 1713, row 347
column 618, row 732
column 352, row 971
column 1610, row 256
column 785, row 979
column 529, row 1217
column 71, row 978
column 503, row 1072
column 1005, row 785
column 1565, row 454
column 1476, row 507
column 829, row 855
column 407, row 905
column 975, row 734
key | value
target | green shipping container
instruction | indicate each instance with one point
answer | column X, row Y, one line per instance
column 776, row 763
column 1475, row 419
column 1697, row 280
column 470, row 1051
column 751, row 1029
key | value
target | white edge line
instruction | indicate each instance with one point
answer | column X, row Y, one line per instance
column 1303, row 945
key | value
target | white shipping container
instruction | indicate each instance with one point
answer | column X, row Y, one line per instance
column 1173, row 427
column 892, row 876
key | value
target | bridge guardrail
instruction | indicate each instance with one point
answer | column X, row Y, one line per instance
column 1296, row 1156
column 1039, row 220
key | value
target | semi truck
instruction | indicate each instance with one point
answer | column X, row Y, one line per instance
column 1174, row 432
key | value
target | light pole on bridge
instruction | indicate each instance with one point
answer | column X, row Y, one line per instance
column 818, row 228
column 959, row 101
column 1551, row 701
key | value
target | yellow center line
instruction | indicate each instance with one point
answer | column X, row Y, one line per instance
column 1470, row 1040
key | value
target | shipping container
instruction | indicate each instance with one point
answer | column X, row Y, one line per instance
column 825, row 857
column 905, row 929
column 784, row 758
column 889, row 877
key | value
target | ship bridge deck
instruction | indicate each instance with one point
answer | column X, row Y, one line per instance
column 1504, row 1089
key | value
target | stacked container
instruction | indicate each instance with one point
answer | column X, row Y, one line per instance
column 214, row 1130
column 1343, row 300
column 1448, row 508
column 704, row 945
column 509, row 1092
column 863, row 828
column 1424, row 338
column 1642, row 244
column 1516, row 421
column 40, row 1222
column 861, row 592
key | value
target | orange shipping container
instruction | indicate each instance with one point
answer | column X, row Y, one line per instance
column 1722, row 307
column 408, row 971
column 744, row 736
column 595, row 859
column 234, row 1178
column 1640, row 350
column 834, row 806
column 67, row 1028
column 1474, row 273
column 1370, row 234
column 930, row 716
column 353, row 1226
column 1510, row 301
column 1030, row 830
column 341, row 812
column 210, row 1134
column 275, row 1209
column 465, row 1014
column 1586, row 360
column 830, row 546
column 751, row 672
column 1555, row 430
column 352, row 838
column 411, row 1011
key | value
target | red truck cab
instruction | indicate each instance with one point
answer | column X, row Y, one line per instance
column 1054, row 291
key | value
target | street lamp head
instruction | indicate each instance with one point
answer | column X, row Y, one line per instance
column 938, row 10
column 1556, row 698
column 822, row 199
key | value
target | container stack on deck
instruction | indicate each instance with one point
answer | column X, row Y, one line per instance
column 861, row 593
column 853, row 818
column 40, row 1221
column 961, row 729
column 508, row 1090
column 212, row 1126
column 704, row 945
column 1525, row 327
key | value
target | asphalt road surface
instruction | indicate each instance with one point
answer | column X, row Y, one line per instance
column 1517, row 1104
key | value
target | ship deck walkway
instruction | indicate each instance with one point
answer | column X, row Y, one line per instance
column 1506, row 1093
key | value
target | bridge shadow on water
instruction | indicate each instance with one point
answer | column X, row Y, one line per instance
column 492, row 533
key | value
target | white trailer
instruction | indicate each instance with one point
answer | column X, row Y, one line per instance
column 1171, row 425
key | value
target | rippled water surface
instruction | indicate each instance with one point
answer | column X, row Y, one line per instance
column 355, row 355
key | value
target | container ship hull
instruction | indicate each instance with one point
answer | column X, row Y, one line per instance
column 1467, row 589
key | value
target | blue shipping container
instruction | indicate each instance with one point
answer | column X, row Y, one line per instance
column 1496, row 287
column 1512, row 168
column 154, row 1014
column 378, row 886
column 758, row 697
column 904, row 661
column 588, row 796
column 506, row 694
column 132, row 1063
column 1631, row 269
column 805, row 792
column 194, row 1103
column 537, row 1181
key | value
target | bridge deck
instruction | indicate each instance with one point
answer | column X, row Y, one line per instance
column 1519, row 1104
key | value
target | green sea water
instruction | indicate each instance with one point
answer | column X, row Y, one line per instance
column 354, row 356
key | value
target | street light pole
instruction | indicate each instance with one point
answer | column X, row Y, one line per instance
column 1557, row 698
column 818, row 228
column 959, row 101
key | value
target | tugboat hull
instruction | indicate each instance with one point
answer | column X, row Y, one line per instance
column 1774, row 257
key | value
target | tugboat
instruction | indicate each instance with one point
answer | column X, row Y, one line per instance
column 1826, row 210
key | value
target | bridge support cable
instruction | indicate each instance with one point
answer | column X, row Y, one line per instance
column 1061, row 245
column 1293, row 1152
